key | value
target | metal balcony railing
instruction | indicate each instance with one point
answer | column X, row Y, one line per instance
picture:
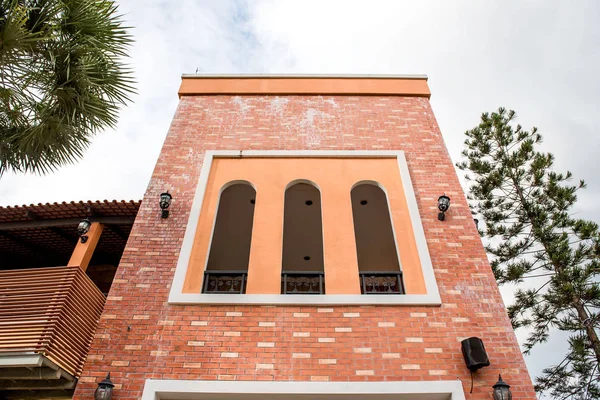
column 300, row 282
column 225, row 282
column 381, row 283
column 49, row 312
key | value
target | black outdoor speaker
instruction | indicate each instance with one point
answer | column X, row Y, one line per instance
column 474, row 353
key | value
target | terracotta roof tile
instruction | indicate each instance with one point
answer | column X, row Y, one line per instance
column 72, row 209
column 53, row 245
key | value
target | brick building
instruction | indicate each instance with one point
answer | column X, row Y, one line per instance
column 303, row 255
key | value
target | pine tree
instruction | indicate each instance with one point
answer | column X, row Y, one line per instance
column 534, row 241
column 62, row 79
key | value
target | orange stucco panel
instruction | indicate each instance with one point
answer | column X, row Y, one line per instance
column 335, row 178
column 198, row 85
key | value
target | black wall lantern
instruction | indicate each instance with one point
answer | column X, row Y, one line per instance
column 443, row 206
column 502, row 390
column 165, row 202
column 104, row 390
column 83, row 228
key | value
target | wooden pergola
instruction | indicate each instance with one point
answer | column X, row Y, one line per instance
column 44, row 235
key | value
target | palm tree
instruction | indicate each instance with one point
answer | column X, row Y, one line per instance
column 62, row 79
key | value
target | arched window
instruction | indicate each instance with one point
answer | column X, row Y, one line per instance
column 227, row 266
column 302, row 269
column 375, row 243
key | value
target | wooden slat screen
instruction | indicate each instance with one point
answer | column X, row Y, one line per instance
column 49, row 311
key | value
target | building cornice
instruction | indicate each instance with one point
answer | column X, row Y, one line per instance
column 276, row 84
column 304, row 76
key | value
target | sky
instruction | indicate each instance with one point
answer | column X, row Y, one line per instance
column 539, row 58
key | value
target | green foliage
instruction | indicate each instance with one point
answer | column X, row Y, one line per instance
column 535, row 242
column 62, row 79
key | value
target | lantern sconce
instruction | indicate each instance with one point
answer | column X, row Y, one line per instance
column 104, row 391
column 83, row 228
column 164, row 203
column 443, row 206
column 502, row 390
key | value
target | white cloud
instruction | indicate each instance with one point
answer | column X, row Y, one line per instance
column 538, row 57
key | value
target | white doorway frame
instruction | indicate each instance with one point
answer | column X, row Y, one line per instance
column 260, row 390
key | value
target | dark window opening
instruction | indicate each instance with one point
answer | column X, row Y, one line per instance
column 303, row 266
column 378, row 263
column 229, row 254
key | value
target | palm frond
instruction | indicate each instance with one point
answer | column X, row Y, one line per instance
column 63, row 79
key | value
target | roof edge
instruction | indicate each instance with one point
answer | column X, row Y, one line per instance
column 304, row 76
column 69, row 204
column 311, row 85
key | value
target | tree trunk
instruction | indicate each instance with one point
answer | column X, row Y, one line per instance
column 589, row 328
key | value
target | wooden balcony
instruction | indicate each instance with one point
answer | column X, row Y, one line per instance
column 47, row 319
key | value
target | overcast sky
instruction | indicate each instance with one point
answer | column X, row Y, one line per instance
column 540, row 58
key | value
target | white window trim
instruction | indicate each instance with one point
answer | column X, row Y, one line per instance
column 238, row 390
column 432, row 298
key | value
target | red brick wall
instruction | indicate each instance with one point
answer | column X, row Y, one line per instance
column 140, row 336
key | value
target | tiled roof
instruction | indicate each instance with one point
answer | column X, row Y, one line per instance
column 73, row 209
column 50, row 246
